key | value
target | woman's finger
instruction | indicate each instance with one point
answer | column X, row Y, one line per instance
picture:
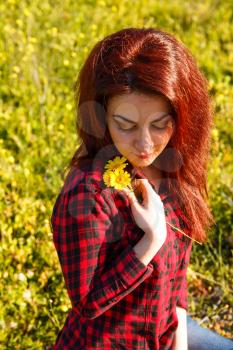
column 131, row 196
column 142, row 187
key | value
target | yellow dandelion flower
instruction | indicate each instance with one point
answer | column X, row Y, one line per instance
column 116, row 163
column 54, row 31
column 69, row 106
column 94, row 27
column 26, row 12
column 119, row 179
column 66, row 62
column 16, row 69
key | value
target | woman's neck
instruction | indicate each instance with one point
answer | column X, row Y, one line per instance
column 153, row 174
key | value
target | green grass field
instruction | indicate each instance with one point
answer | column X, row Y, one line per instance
column 43, row 44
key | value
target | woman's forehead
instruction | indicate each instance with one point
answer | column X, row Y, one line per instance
column 135, row 105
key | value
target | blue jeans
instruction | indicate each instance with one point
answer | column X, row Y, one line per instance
column 200, row 338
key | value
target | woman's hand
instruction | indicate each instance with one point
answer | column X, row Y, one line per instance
column 149, row 215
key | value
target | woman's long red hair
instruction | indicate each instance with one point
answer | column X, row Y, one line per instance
column 151, row 61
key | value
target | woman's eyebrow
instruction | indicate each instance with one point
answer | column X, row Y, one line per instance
column 132, row 122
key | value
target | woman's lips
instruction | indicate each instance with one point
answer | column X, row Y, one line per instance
column 143, row 156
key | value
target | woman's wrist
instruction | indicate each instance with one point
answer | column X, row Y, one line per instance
column 146, row 248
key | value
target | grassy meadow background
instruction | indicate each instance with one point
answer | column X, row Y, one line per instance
column 43, row 44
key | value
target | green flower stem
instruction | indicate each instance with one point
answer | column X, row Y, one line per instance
column 183, row 233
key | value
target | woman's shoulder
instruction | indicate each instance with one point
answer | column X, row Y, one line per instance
column 88, row 174
column 84, row 191
column 86, row 182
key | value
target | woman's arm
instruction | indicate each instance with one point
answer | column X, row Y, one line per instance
column 181, row 339
column 82, row 221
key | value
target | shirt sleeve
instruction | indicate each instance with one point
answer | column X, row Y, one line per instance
column 81, row 221
column 181, row 286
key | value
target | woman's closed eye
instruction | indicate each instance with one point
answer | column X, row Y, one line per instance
column 157, row 126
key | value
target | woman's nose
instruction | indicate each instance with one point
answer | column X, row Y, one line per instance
column 143, row 142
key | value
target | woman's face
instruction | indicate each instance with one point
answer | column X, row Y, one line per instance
column 140, row 126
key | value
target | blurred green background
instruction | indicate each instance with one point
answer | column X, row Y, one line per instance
column 43, row 44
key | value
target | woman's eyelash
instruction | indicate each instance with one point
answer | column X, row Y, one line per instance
column 156, row 127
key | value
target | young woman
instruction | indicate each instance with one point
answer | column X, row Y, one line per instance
column 124, row 255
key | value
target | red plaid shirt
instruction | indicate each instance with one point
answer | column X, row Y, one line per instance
column 117, row 301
